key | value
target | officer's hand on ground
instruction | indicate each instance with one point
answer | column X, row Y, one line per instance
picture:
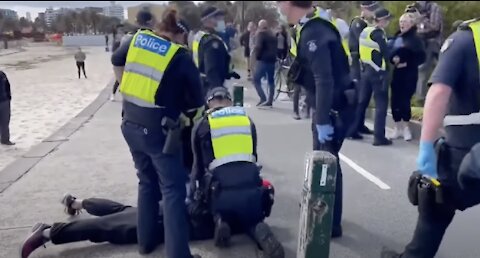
column 325, row 133
column 234, row 75
column 427, row 160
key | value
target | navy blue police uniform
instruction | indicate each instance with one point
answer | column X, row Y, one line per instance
column 160, row 171
column 458, row 68
column 323, row 70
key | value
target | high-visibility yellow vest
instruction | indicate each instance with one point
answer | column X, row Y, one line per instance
column 367, row 47
column 196, row 45
column 344, row 42
column 232, row 139
column 472, row 118
column 148, row 57
column 318, row 14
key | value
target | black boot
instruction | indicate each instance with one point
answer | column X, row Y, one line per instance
column 382, row 142
column 365, row 130
column 271, row 247
column 222, row 233
column 34, row 240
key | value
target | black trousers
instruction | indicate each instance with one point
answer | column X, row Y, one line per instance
column 81, row 66
column 5, row 113
column 403, row 84
column 115, row 87
column 434, row 219
column 334, row 147
column 115, row 223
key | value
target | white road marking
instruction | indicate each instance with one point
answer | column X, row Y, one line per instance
column 370, row 177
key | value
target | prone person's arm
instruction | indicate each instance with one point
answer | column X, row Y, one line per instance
column 197, row 166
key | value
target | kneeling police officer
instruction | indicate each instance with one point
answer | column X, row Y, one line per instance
column 454, row 92
column 225, row 175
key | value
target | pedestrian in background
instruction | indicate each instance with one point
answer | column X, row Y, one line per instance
column 282, row 42
column 253, row 33
column 80, row 59
column 245, row 43
column 265, row 55
column 407, row 53
column 430, row 29
column 5, row 111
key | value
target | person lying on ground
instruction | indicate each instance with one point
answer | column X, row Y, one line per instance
column 114, row 223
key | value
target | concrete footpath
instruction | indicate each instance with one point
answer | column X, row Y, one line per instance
column 90, row 158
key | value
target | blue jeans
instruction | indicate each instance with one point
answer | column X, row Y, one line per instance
column 373, row 82
column 160, row 175
column 264, row 69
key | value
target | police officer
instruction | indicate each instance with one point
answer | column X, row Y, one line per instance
column 323, row 70
column 454, row 98
column 225, row 173
column 356, row 27
column 159, row 82
column 210, row 52
column 374, row 58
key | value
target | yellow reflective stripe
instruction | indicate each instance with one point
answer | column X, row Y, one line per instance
column 293, row 47
column 144, row 70
column 220, row 132
column 475, row 27
column 230, row 132
column 229, row 159
column 138, row 102
column 148, row 57
column 367, row 47
column 196, row 46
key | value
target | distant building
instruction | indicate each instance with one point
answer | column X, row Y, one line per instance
column 29, row 16
column 41, row 16
column 8, row 13
column 114, row 10
column 50, row 16
column 156, row 9
column 97, row 10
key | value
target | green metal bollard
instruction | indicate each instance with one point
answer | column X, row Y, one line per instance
column 238, row 95
column 318, row 198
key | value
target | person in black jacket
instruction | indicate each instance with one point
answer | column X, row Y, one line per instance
column 266, row 56
column 407, row 54
column 5, row 111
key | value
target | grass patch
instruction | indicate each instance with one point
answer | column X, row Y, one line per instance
column 417, row 113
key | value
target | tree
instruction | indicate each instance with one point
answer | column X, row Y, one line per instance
column 24, row 23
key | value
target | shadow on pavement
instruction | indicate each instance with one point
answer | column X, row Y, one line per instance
column 361, row 241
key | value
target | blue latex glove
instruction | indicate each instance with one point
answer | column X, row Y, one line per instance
column 324, row 133
column 427, row 160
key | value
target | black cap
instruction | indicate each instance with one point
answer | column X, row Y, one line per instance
column 218, row 92
column 382, row 14
column 144, row 18
column 211, row 12
column 369, row 5
column 183, row 25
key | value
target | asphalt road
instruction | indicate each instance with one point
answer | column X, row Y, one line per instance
column 95, row 162
column 376, row 209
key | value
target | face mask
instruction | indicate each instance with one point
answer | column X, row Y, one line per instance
column 220, row 26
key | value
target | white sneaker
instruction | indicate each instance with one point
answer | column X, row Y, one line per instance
column 398, row 132
column 112, row 98
column 407, row 134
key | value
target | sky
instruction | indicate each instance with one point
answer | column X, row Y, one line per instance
column 34, row 7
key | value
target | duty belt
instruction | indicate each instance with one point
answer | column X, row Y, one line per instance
column 472, row 119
